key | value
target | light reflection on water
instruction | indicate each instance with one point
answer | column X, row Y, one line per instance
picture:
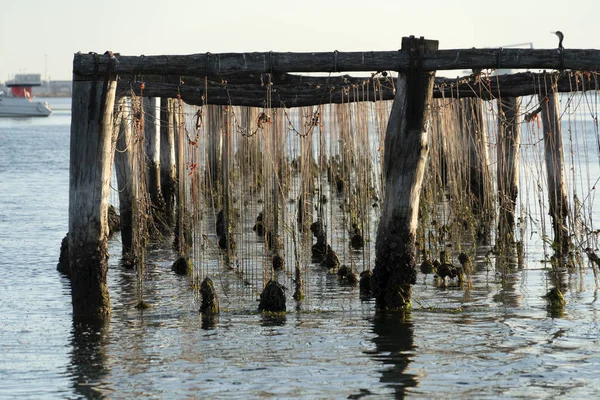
column 496, row 340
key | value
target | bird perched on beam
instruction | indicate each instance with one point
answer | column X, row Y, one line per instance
column 560, row 39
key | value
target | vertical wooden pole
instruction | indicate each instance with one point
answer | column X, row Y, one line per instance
column 90, row 170
column 214, row 147
column 152, row 138
column 509, row 141
column 123, row 167
column 225, row 131
column 277, row 170
column 167, row 157
column 479, row 181
column 405, row 157
column 555, row 167
column 183, row 238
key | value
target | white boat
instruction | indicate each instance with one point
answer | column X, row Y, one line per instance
column 11, row 106
column 19, row 104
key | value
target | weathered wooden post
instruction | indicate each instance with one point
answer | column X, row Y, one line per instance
column 226, row 201
column 167, row 157
column 123, row 167
column 509, row 141
column 183, row 238
column 479, row 181
column 405, row 156
column 90, row 170
column 555, row 165
column 152, row 138
column 215, row 117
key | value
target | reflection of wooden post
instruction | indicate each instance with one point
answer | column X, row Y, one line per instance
column 91, row 161
column 167, row 157
column 123, row 163
column 405, row 157
column 509, row 139
column 555, row 167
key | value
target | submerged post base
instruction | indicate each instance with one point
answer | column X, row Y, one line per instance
column 394, row 271
column 89, row 290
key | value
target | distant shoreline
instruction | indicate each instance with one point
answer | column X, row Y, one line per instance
column 52, row 95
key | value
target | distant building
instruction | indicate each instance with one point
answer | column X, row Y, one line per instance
column 60, row 88
column 39, row 87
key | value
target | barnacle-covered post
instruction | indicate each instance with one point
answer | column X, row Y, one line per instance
column 405, row 157
column 555, row 165
column 90, row 170
column 509, row 139
column 123, row 168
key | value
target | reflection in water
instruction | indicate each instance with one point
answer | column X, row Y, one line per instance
column 555, row 297
column 394, row 343
column 272, row 319
column 507, row 262
column 88, row 357
column 209, row 322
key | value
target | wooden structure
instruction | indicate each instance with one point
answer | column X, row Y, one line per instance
column 243, row 79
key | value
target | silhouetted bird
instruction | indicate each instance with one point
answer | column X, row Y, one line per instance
column 560, row 39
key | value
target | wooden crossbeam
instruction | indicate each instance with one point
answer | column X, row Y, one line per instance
column 85, row 66
column 295, row 91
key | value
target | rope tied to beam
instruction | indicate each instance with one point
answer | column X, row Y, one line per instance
column 499, row 58
column 335, row 61
column 142, row 64
column 207, row 74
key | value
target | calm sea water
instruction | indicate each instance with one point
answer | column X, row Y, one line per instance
column 496, row 340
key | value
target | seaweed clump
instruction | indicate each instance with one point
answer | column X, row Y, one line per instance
column 331, row 259
column 278, row 262
column 319, row 249
column 272, row 298
column 346, row 275
column 210, row 300
column 364, row 284
column 63, row 260
column 142, row 305
column 114, row 220
column 556, row 302
column 259, row 226
column 428, row 267
column 182, row 266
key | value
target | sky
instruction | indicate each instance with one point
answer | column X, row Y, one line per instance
column 41, row 36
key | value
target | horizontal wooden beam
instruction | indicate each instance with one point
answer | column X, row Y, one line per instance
column 86, row 66
column 296, row 91
column 256, row 96
column 514, row 85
